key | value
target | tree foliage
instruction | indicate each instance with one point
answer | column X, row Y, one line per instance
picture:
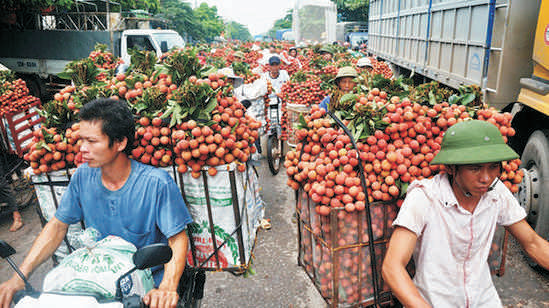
column 352, row 10
column 34, row 4
column 237, row 31
column 181, row 16
column 201, row 24
column 282, row 23
column 151, row 6
column 211, row 24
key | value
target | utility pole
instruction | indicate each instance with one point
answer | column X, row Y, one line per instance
column 109, row 27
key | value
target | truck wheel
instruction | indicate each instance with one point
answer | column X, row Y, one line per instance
column 34, row 87
column 533, row 192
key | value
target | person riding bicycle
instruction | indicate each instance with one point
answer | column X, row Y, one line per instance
column 119, row 196
column 345, row 81
column 275, row 75
column 250, row 95
column 364, row 64
column 293, row 52
column 447, row 224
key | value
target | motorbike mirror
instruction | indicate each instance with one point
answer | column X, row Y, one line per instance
column 246, row 103
column 6, row 250
column 152, row 255
column 164, row 46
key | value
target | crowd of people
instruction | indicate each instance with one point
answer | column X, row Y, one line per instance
column 119, row 196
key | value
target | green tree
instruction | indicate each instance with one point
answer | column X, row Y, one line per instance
column 211, row 24
column 352, row 10
column 152, row 6
column 237, row 31
column 34, row 4
column 182, row 17
column 282, row 23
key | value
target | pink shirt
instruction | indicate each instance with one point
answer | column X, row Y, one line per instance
column 451, row 253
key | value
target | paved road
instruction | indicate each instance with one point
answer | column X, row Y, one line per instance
column 278, row 281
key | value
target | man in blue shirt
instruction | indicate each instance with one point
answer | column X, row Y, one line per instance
column 116, row 196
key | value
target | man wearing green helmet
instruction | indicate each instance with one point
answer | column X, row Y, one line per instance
column 327, row 53
column 447, row 224
column 345, row 81
column 238, row 63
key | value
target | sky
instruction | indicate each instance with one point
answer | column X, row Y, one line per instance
column 257, row 15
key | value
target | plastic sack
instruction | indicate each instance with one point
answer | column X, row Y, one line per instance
column 250, row 207
column 251, row 91
column 48, row 300
column 95, row 270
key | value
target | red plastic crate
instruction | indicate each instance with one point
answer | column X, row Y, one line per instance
column 16, row 128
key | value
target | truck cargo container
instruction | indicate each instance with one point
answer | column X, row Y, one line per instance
column 314, row 22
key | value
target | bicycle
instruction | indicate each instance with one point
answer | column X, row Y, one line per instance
column 275, row 145
column 11, row 167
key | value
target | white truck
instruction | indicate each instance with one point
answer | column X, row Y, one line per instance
column 353, row 32
column 40, row 52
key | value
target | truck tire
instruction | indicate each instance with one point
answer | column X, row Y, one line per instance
column 34, row 87
column 534, row 190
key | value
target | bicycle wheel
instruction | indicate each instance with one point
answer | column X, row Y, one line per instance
column 24, row 193
column 274, row 153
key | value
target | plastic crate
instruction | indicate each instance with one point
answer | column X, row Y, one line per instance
column 17, row 128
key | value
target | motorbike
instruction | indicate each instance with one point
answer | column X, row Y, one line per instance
column 146, row 257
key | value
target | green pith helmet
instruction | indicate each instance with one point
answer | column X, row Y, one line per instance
column 239, row 54
column 473, row 142
column 326, row 49
column 346, row 71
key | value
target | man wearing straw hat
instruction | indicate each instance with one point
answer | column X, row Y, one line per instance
column 447, row 224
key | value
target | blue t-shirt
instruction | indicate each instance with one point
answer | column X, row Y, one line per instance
column 148, row 209
column 325, row 102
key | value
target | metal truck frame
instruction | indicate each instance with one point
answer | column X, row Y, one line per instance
column 42, row 44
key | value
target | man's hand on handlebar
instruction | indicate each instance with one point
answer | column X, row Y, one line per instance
column 8, row 290
column 158, row 298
